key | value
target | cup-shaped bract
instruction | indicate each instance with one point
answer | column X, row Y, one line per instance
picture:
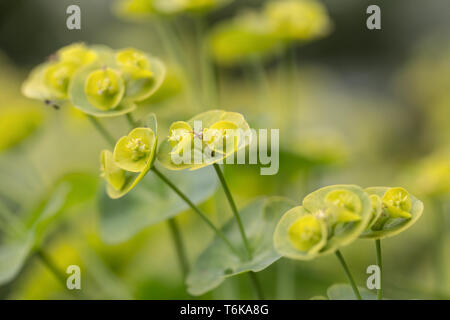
column 132, row 158
column 397, row 211
column 203, row 140
column 112, row 173
column 104, row 88
column 132, row 152
column 297, row 20
column 328, row 219
column 50, row 81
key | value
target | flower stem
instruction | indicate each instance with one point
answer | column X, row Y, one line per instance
column 257, row 285
column 195, row 208
column 101, row 129
column 47, row 261
column 130, row 120
column 233, row 208
column 348, row 274
column 380, row 265
column 181, row 252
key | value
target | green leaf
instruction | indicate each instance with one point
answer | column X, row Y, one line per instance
column 13, row 255
column 151, row 202
column 393, row 226
column 217, row 262
column 345, row 292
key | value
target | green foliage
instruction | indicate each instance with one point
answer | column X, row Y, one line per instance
column 218, row 262
column 345, row 292
column 151, row 202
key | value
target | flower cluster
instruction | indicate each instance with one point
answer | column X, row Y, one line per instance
column 334, row 216
column 257, row 33
column 203, row 140
column 97, row 80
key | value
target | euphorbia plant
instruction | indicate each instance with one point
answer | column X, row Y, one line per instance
column 335, row 216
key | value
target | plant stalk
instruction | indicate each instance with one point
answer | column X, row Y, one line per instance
column 233, row 208
column 380, row 265
column 179, row 246
column 257, row 285
column 348, row 274
column 101, row 129
column 197, row 210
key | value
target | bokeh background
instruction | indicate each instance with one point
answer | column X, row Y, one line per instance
column 359, row 106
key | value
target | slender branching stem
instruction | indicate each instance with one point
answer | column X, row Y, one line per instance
column 380, row 265
column 234, row 209
column 101, row 129
column 196, row 209
column 179, row 246
column 348, row 274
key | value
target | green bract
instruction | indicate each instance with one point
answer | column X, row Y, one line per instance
column 328, row 219
column 293, row 20
column 203, row 140
column 96, row 79
column 50, row 80
column 397, row 211
column 132, row 158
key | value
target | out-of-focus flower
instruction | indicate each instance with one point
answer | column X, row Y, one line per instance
column 16, row 124
column 343, row 205
column 147, row 8
column 306, row 232
column 293, row 20
column 260, row 34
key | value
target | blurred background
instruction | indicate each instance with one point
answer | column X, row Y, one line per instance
column 359, row 106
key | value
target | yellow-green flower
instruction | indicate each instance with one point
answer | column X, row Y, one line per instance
column 104, row 88
column 16, row 124
column 132, row 152
column 343, row 205
column 136, row 70
column 181, row 136
column 50, row 81
column 297, row 19
column 305, row 233
column 222, row 137
column 397, row 203
column 114, row 175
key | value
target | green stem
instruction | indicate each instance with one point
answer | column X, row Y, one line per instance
column 101, row 129
column 47, row 261
column 181, row 252
column 233, row 208
column 348, row 274
column 130, row 120
column 197, row 210
column 257, row 285
column 380, row 265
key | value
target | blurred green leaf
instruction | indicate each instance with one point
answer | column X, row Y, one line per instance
column 152, row 201
column 217, row 262
column 345, row 292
